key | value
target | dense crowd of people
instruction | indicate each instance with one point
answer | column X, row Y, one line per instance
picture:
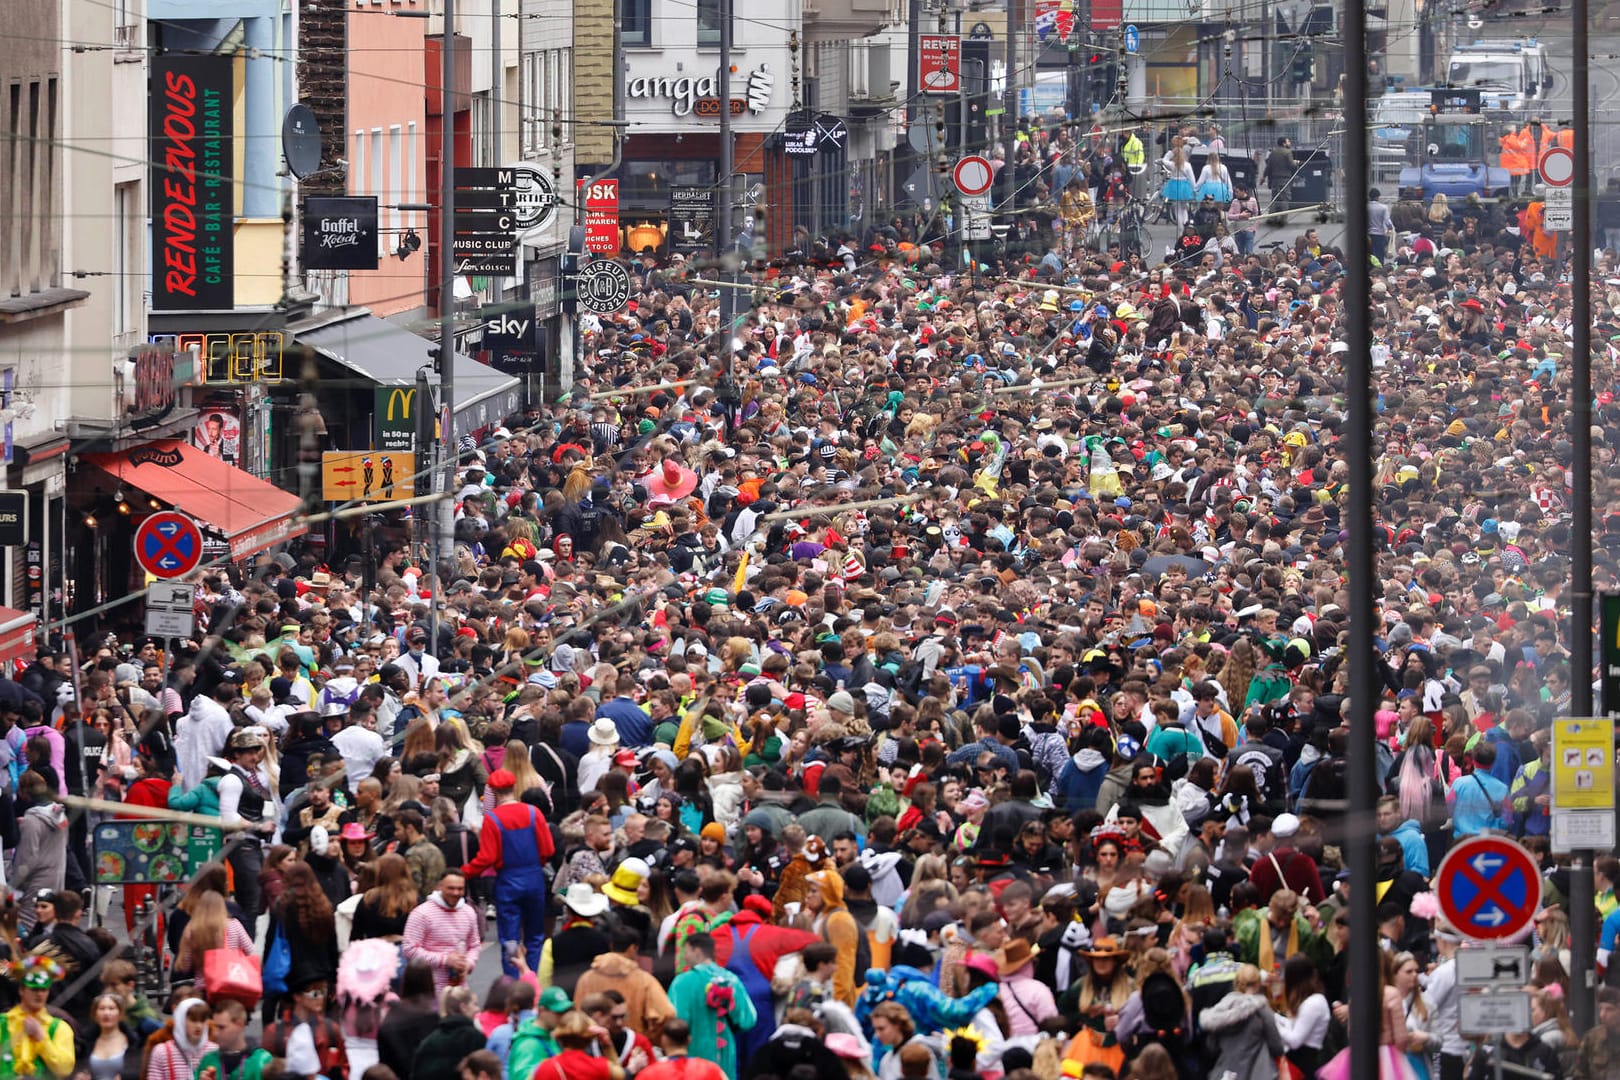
column 939, row 675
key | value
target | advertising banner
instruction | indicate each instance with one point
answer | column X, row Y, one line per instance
column 193, row 201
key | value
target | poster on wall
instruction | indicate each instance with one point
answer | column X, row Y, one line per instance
column 191, row 99
column 219, row 434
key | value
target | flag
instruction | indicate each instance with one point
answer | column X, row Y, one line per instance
column 741, row 579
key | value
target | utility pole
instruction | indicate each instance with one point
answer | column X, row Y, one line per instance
column 1361, row 838
column 727, row 193
column 1582, row 902
column 443, row 515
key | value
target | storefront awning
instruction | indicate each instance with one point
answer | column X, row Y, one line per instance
column 390, row 356
column 250, row 513
column 16, row 636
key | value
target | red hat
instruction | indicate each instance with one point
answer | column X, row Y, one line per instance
column 502, row 780
column 759, row 906
column 626, row 757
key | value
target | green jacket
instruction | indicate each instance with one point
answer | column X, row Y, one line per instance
column 1248, row 925
column 202, row 799
column 531, row 1044
column 251, row 1068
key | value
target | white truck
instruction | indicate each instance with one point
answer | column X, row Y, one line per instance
column 1517, row 70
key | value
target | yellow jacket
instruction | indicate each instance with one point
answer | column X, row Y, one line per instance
column 24, row 1058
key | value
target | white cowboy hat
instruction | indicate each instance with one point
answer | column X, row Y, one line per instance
column 604, row 732
column 583, row 900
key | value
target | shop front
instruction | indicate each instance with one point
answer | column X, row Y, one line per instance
column 114, row 491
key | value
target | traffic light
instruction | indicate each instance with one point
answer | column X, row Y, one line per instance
column 1304, row 62
column 1101, row 74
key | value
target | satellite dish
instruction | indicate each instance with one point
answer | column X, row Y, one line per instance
column 301, row 140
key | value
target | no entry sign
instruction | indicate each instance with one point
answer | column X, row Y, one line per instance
column 1557, row 166
column 973, row 175
column 1489, row 887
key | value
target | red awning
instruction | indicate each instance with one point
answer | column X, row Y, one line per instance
column 16, row 636
column 250, row 513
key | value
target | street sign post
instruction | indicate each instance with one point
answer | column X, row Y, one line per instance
column 1583, row 783
column 1485, row 967
column 168, row 545
column 1502, row 1013
column 169, row 611
column 1133, row 41
column 1559, row 215
column 1489, row 887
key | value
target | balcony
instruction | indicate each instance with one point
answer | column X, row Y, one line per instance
column 866, row 74
column 831, row 20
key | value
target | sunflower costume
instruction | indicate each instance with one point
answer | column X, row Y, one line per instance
column 26, row 1058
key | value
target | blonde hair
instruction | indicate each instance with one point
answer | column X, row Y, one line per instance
column 1248, row 979
column 516, row 761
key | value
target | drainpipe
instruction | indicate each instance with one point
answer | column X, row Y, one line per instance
column 259, row 80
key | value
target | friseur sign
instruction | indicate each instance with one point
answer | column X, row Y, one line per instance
column 396, row 418
column 193, row 197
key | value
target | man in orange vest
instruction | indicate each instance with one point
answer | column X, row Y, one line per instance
column 1518, row 151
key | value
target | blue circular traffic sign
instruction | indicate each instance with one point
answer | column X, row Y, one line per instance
column 168, row 545
column 1488, row 887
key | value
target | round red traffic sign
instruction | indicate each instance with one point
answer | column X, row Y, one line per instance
column 168, row 545
column 973, row 175
column 1489, row 887
column 1557, row 166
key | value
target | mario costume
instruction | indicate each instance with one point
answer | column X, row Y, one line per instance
column 516, row 843
column 23, row 1057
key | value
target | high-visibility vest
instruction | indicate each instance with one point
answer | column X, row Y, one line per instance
column 1517, row 147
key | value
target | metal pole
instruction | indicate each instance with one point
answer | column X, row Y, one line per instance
column 1582, row 907
column 1366, row 1003
column 445, row 479
column 726, row 193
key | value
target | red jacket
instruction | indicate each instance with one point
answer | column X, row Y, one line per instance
column 514, row 816
column 768, row 945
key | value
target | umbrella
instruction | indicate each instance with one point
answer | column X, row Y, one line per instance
column 1156, row 565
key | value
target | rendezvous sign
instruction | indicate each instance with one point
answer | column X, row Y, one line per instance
column 1489, row 887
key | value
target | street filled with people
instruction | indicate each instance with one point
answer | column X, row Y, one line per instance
column 939, row 674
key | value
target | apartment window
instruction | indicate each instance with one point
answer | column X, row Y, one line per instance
column 126, row 255
column 529, row 126
column 548, row 92
column 635, row 22
column 709, row 13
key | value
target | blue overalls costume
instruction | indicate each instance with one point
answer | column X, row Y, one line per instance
column 516, row 843
column 741, row 964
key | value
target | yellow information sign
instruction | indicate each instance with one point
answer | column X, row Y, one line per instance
column 1583, row 763
column 367, row 475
